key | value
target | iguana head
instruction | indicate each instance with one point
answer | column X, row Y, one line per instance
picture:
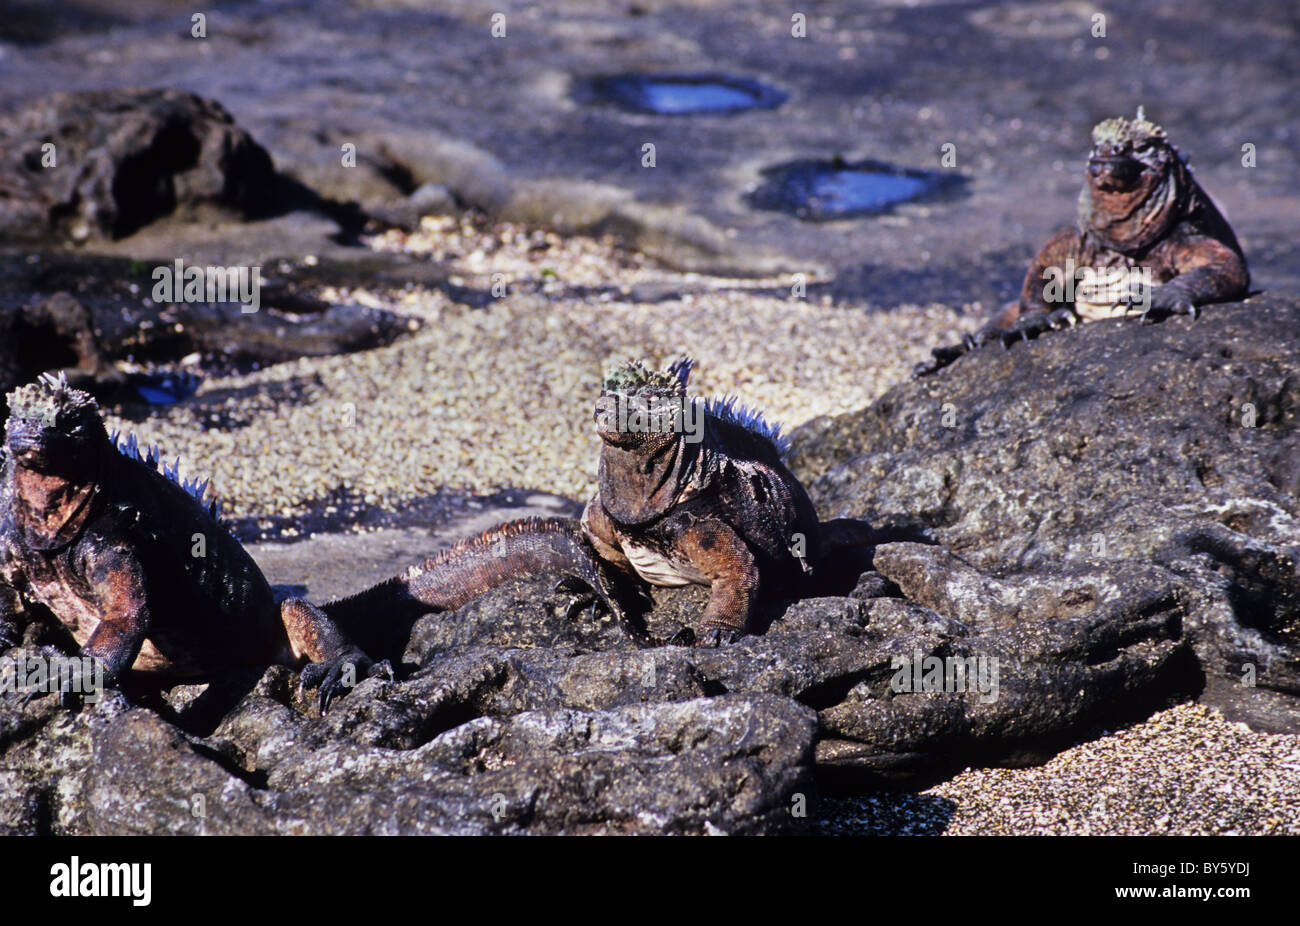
column 644, row 408
column 653, row 440
column 1137, row 184
column 52, row 428
column 54, row 442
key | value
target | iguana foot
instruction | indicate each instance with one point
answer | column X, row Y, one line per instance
column 713, row 637
column 1032, row 324
column 1162, row 302
column 337, row 676
column 1153, row 315
column 940, row 358
column 1062, row 318
column 583, row 595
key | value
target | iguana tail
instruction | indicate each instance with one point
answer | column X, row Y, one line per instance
column 455, row 576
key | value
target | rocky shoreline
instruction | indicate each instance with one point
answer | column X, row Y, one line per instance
column 1115, row 506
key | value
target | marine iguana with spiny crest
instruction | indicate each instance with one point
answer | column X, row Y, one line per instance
column 689, row 491
column 135, row 563
column 695, row 491
column 1148, row 240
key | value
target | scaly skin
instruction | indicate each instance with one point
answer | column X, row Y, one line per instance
column 140, row 571
column 1140, row 210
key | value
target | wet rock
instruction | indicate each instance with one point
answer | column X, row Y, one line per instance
column 1117, row 471
column 56, row 332
column 50, row 332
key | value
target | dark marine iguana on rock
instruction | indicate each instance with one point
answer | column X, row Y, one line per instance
column 1148, row 240
column 690, row 491
column 694, row 491
column 135, row 563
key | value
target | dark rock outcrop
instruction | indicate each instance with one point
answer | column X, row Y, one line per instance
column 1117, row 469
column 81, row 315
column 121, row 159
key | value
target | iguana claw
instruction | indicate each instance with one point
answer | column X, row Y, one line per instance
column 714, row 637
column 583, row 594
column 331, row 676
column 683, row 637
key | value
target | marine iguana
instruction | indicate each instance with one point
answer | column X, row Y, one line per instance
column 689, row 491
column 1148, row 239
column 694, row 491
column 136, row 563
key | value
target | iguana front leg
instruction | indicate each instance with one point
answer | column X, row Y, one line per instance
column 1207, row 271
column 335, row 662
column 1030, row 315
column 117, row 580
column 1034, row 312
column 722, row 555
column 600, row 533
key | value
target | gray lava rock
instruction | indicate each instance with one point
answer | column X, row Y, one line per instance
column 1113, row 532
column 1119, row 469
column 739, row 764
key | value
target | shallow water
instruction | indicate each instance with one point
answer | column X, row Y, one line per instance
column 857, row 190
column 823, row 190
column 685, row 94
